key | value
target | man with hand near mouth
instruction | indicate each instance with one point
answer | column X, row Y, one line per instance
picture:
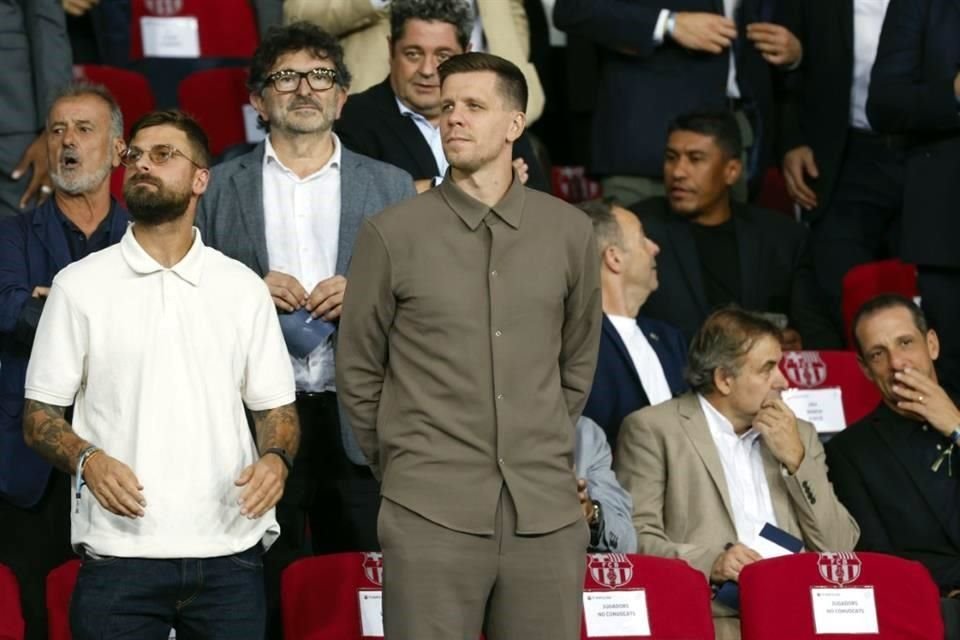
column 84, row 136
column 714, row 251
column 708, row 470
column 895, row 469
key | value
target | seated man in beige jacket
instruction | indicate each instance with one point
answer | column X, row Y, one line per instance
column 363, row 27
column 738, row 459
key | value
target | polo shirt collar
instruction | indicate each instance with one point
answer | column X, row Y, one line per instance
column 472, row 211
column 189, row 268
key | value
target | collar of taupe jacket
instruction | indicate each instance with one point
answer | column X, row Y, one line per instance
column 472, row 211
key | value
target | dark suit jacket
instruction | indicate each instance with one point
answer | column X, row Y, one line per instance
column 371, row 124
column 617, row 390
column 815, row 98
column 887, row 484
column 640, row 93
column 230, row 217
column 33, row 249
column 774, row 270
column 911, row 92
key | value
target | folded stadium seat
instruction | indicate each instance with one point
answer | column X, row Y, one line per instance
column 777, row 597
column 868, row 280
column 60, row 583
column 773, row 193
column 571, row 183
column 225, row 28
column 677, row 596
column 823, row 369
column 216, row 98
column 11, row 615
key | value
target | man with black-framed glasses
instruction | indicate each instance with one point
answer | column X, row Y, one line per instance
column 290, row 210
column 160, row 343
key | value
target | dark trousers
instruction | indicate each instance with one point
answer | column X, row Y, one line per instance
column 329, row 504
column 202, row 598
column 939, row 290
column 33, row 542
column 860, row 223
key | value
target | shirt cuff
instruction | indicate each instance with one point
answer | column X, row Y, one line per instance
column 379, row 4
column 660, row 30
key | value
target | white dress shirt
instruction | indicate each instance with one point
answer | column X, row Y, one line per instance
column 302, row 226
column 744, row 473
column 867, row 23
column 729, row 10
column 430, row 133
column 645, row 359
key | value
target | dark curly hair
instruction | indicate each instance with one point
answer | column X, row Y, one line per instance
column 296, row 37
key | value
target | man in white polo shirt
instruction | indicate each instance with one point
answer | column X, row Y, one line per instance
column 159, row 342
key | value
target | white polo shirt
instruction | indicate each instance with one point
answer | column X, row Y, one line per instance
column 161, row 362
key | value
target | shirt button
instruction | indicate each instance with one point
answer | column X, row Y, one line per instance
column 493, row 273
column 498, row 333
column 499, row 396
column 500, row 461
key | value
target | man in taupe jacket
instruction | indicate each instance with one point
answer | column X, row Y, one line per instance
column 467, row 347
column 738, row 460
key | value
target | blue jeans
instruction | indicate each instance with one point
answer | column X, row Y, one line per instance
column 202, row 598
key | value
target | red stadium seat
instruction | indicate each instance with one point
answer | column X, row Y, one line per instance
column 320, row 595
column 776, row 600
column 868, row 280
column 11, row 615
column 678, row 596
column 130, row 89
column 60, row 583
column 822, row 369
column 573, row 185
column 215, row 97
column 227, row 28
column 773, row 193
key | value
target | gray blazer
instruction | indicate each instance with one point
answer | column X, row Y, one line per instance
column 230, row 218
column 593, row 461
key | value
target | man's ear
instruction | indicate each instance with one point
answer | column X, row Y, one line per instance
column 517, row 125
column 723, row 381
column 732, row 171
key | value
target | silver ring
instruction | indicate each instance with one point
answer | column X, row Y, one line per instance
column 45, row 189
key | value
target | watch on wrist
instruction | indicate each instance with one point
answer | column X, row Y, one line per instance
column 287, row 460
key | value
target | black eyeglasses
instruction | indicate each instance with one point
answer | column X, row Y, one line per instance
column 288, row 80
column 158, row 154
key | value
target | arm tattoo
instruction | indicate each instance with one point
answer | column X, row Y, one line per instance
column 278, row 427
column 50, row 435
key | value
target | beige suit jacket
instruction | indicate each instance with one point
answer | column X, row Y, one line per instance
column 667, row 460
column 363, row 32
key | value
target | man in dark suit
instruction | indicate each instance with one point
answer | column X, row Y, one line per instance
column 846, row 175
column 894, row 469
column 714, row 252
column 641, row 360
column 661, row 60
column 290, row 210
column 36, row 61
column 915, row 90
column 84, row 136
column 396, row 121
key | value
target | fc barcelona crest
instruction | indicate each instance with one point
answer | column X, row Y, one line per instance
column 373, row 567
column 610, row 570
column 804, row 368
column 839, row 568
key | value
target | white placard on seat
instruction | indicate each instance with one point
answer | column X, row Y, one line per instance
column 844, row 610
column 251, row 129
column 170, row 37
column 371, row 612
column 622, row 612
column 823, row 407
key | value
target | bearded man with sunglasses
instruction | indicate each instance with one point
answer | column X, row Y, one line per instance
column 159, row 343
column 290, row 210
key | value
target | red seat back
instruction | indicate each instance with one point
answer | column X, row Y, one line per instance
column 11, row 615
column 820, row 369
column 60, row 583
column 573, row 185
column 319, row 595
column 775, row 598
column 678, row 596
column 773, row 193
column 227, row 28
column 866, row 281
column 215, row 97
